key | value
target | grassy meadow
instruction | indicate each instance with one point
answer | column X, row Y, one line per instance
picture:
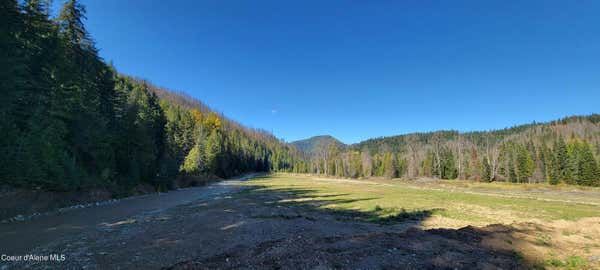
column 460, row 204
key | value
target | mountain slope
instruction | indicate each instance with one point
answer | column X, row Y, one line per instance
column 573, row 126
column 311, row 145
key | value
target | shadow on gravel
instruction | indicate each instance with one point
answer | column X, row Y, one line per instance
column 323, row 241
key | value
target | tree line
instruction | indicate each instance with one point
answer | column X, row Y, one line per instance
column 563, row 151
column 70, row 121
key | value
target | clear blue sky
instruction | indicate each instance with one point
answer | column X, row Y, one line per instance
column 361, row 69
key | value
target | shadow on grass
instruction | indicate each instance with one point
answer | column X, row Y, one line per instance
column 333, row 204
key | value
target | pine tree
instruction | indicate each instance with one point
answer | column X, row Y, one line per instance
column 573, row 157
column 511, row 172
column 448, row 165
column 213, row 152
column 543, row 157
column 13, row 77
column 70, row 21
column 561, row 160
column 587, row 167
column 194, row 163
column 487, row 170
column 524, row 164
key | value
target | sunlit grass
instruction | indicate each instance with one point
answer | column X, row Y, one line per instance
column 389, row 200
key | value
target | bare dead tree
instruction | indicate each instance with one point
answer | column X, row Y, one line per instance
column 492, row 153
column 457, row 146
column 437, row 153
column 367, row 163
column 411, row 171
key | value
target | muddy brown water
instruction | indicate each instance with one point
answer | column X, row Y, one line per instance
column 19, row 238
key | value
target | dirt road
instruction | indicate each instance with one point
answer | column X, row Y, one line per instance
column 22, row 237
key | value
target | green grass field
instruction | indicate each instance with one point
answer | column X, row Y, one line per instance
column 464, row 205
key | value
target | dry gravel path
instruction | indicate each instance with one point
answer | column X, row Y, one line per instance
column 23, row 236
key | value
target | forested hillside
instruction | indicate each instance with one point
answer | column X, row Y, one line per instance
column 563, row 151
column 69, row 121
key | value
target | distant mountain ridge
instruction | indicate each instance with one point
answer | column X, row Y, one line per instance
column 311, row 145
column 561, row 151
column 533, row 131
column 308, row 145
